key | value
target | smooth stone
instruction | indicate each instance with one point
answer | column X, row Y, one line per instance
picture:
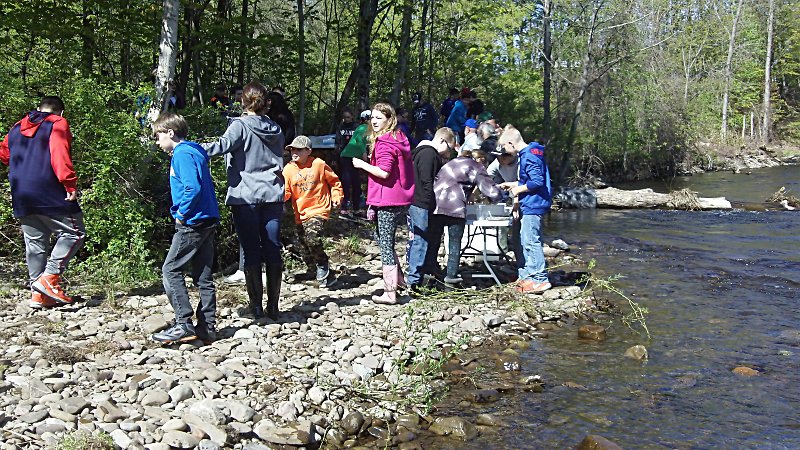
column 180, row 393
column 592, row 332
column 154, row 323
column 484, row 396
column 638, row 352
column 54, row 428
column 207, row 411
column 473, row 325
column 454, row 426
column 213, row 374
column 207, row 444
column 745, row 371
column 121, row 438
column 35, row 416
column 61, row 415
column 488, row 420
column 179, row 439
column 214, row 433
column 287, row 411
column 155, row 397
column 244, row 333
column 316, row 395
column 597, row 442
column 240, row 412
column 352, row 423
column 174, row 424
column 73, row 405
column 111, row 412
column 297, row 433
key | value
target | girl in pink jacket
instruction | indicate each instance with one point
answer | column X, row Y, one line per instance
column 390, row 189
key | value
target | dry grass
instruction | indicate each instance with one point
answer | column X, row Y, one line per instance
column 684, row 199
column 784, row 194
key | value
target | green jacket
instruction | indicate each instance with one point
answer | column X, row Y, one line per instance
column 357, row 145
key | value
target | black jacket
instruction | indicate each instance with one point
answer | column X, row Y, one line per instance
column 427, row 163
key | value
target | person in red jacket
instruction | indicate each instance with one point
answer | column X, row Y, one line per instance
column 44, row 197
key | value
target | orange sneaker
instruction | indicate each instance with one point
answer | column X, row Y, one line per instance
column 50, row 285
column 39, row 301
column 525, row 286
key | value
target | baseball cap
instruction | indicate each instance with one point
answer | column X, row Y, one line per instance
column 471, row 123
column 299, row 142
column 500, row 151
column 366, row 114
column 417, row 97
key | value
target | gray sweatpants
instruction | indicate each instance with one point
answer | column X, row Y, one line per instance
column 70, row 234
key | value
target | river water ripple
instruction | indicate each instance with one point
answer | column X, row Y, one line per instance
column 722, row 289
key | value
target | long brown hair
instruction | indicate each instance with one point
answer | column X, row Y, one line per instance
column 391, row 124
column 255, row 98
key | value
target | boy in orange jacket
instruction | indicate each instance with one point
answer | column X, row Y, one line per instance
column 314, row 189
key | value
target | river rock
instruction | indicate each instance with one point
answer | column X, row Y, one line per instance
column 592, row 332
column 111, row 413
column 34, row 416
column 454, row 426
column 473, row 325
column 240, row 412
column 316, row 395
column 298, row 433
column 72, row 405
column 121, row 438
column 745, row 371
column 484, row 396
column 559, row 244
column 154, row 323
column 352, row 423
column 207, row 411
column 215, row 433
column 179, row 439
column 155, row 397
column 597, row 442
column 207, row 444
column 180, row 393
column 550, row 252
column 637, row 352
column 488, row 420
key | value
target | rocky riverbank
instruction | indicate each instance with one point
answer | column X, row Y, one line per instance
column 713, row 157
column 333, row 368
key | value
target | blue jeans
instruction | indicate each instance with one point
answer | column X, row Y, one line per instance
column 455, row 231
column 258, row 228
column 421, row 255
column 351, row 183
column 533, row 266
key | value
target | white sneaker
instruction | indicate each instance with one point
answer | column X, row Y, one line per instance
column 235, row 278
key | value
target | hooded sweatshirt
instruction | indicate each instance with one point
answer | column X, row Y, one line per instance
column 357, row 145
column 534, row 174
column 455, row 183
column 191, row 186
column 253, row 149
column 427, row 163
column 37, row 151
column 312, row 187
column 458, row 117
column 393, row 155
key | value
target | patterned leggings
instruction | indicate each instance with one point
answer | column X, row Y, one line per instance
column 388, row 219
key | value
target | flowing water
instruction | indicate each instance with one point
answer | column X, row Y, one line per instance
column 722, row 289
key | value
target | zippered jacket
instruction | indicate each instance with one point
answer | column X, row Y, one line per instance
column 533, row 173
column 191, row 186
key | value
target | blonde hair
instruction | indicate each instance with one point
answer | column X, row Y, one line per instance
column 391, row 124
column 445, row 134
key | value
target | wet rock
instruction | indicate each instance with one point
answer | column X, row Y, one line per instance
column 592, row 332
column 484, row 396
column 454, row 426
column 745, row 371
column 179, row 439
column 378, row 433
column 546, row 326
column 507, row 361
column 637, row 352
column 550, row 252
column 352, row 423
column 488, row 420
column 559, row 244
column 409, row 421
column 597, row 442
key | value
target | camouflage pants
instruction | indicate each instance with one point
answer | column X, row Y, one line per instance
column 310, row 235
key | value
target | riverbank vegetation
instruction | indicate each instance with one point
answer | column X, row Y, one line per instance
column 616, row 89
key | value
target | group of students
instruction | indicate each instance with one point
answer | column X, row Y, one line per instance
column 419, row 187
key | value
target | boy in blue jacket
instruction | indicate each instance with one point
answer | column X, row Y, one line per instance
column 534, row 200
column 195, row 210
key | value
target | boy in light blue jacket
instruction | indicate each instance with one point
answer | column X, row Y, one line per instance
column 195, row 210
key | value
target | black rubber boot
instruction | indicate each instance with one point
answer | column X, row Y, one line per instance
column 274, row 275
column 255, row 291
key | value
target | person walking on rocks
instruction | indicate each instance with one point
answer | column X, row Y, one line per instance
column 253, row 150
column 313, row 189
column 196, row 214
column 390, row 190
column 44, row 197
column 535, row 198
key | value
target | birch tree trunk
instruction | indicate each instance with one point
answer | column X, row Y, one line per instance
column 167, row 53
column 301, row 50
column 767, row 122
column 403, row 51
column 729, row 71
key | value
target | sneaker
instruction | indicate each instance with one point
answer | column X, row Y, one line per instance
column 235, row 278
column 329, row 281
column 180, row 332
column 39, row 301
column 525, row 286
column 50, row 285
column 538, row 288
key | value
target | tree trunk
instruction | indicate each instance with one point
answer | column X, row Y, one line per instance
column 583, row 88
column 422, row 37
column 87, row 36
column 548, row 67
column 165, row 72
column 243, row 46
column 647, row 198
column 346, row 93
column 729, row 71
column 767, row 124
column 186, row 50
column 403, row 51
column 368, row 10
column 301, row 46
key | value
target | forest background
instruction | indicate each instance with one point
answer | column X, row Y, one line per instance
column 620, row 89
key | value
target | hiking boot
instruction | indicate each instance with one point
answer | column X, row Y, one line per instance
column 206, row 333
column 39, row 301
column 453, row 280
column 180, row 332
column 50, row 285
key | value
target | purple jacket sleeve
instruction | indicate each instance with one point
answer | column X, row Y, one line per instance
column 385, row 157
column 486, row 184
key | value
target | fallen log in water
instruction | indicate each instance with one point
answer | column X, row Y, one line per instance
column 647, row 198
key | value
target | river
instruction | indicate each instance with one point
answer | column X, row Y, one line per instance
column 722, row 289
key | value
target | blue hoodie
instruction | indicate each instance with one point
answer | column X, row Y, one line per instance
column 193, row 197
column 533, row 173
column 458, row 117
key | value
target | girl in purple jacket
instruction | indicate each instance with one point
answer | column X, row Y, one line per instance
column 390, row 189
